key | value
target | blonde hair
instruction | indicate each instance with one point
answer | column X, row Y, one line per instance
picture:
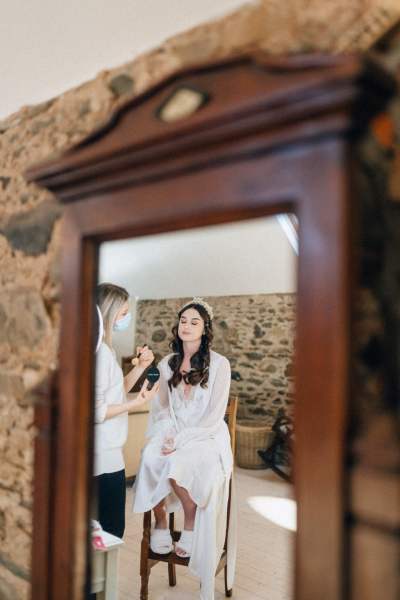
column 110, row 299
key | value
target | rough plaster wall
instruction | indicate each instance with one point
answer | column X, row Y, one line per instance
column 256, row 334
column 29, row 229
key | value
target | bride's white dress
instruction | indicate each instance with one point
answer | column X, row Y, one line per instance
column 202, row 463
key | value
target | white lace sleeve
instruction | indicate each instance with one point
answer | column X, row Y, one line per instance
column 214, row 415
column 160, row 421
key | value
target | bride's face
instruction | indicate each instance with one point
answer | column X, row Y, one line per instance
column 191, row 326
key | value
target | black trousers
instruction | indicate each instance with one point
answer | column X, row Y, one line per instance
column 111, row 494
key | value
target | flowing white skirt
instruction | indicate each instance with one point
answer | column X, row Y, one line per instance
column 198, row 468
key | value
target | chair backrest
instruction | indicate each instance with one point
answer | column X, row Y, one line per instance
column 230, row 414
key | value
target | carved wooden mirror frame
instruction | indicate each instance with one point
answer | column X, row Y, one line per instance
column 265, row 136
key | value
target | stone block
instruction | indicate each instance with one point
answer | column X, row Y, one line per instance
column 25, row 319
column 12, row 586
column 31, row 231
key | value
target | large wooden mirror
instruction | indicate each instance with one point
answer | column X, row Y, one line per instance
column 246, row 139
column 246, row 272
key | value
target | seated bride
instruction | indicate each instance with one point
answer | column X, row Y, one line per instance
column 187, row 462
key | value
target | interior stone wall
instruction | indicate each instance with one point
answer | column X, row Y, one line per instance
column 29, row 218
column 256, row 334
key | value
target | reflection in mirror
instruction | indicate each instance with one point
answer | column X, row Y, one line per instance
column 194, row 365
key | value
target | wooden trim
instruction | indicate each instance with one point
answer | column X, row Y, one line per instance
column 322, row 379
column 301, row 165
column 320, row 324
column 74, row 444
column 45, row 421
column 313, row 87
column 231, row 412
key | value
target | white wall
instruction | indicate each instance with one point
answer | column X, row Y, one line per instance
column 49, row 46
column 251, row 257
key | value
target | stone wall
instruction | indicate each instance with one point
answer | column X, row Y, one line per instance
column 256, row 334
column 29, row 324
column 29, row 218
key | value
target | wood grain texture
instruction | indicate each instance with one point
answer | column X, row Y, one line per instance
column 253, row 93
column 277, row 137
column 45, row 397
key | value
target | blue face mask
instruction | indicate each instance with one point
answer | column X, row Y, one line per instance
column 123, row 323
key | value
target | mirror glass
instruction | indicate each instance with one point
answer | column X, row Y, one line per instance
column 211, row 311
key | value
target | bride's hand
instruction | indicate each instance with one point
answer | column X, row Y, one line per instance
column 144, row 395
column 168, row 446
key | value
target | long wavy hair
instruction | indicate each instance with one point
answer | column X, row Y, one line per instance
column 200, row 361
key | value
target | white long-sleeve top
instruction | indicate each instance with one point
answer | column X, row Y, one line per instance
column 110, row 434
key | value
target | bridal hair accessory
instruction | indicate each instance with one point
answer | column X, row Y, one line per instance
column 202, row 303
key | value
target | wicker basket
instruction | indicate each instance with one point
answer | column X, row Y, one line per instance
column 251, row 437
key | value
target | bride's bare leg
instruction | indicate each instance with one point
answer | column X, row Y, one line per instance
column 160, row 515
column 189, row 508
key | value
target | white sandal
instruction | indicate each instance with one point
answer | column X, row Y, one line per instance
column 185, row 544
column 161, row 541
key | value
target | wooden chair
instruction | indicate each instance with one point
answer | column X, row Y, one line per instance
column 148, row 558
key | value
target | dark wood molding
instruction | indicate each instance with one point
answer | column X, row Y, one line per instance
column 275, row 137
column 45, row 397
column 265, row 95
